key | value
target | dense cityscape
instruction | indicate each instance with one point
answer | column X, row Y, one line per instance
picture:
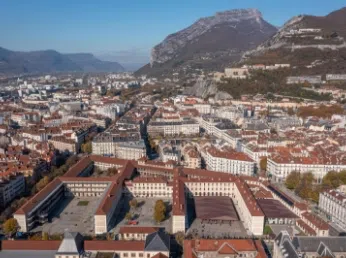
column 190, row 163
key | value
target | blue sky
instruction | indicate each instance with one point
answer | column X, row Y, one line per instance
column 125, row 26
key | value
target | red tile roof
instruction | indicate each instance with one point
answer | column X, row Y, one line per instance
column 30, row 244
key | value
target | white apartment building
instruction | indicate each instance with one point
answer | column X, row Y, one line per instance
column 131, row 150
column 231, row 162
column 334, row 204
column 280, row 167
column 111, row 110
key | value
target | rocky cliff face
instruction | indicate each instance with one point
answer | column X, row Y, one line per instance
column 210, row 43
column 204, row 88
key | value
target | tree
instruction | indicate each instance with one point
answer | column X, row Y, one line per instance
column 179, row 237
column 331, row 180
column 133, row 203
column 305, row 188
column 159, row 216
column 42, row 183
column 342, row 176
column 159, row 211
column 112, row 171
column 87, row 147
column 10, row 226
column 292, row 180
column 160, row 206
column 71, row 161
column 45, row 236
column 263, row 163
column 128, row 216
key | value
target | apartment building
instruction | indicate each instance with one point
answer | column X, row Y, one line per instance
column 12, row 185
column 131, row 150
column 334, row 204
column 173, row 128
column 229, row 161
column 280, row 166
column 63, row 144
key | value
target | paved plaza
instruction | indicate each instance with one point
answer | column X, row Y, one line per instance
column 143, row 214
column 75, row 214
column 231, row 229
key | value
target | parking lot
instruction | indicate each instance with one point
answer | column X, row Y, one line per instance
column 74, row 214
column 143, row 214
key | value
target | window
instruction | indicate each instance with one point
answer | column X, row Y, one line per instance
column 133, row 255
column 126, row 255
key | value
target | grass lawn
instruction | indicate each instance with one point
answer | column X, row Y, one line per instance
column 83, row 203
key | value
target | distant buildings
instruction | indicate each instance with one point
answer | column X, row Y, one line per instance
column 236, row 73
column 336, row 77
column 312, row 79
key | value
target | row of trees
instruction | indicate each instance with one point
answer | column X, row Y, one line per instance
column 322, row 111
column 304, row 185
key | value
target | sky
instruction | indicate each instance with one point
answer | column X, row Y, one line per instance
column 124, row 27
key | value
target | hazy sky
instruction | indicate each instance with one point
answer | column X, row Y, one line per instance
column 125, row 26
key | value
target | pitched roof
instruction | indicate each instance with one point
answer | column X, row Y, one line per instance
column 158, row 241
column 71, row 244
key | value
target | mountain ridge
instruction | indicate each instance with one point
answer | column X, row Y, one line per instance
column 209, row 43
column 45, row 61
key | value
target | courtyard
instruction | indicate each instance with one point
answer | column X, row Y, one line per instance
column 142, row 214
column 73, row 214
column 234, row 229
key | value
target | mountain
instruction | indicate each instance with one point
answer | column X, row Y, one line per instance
column 89, row 63
column 311, row 52
column 47, row 61
column 210, row 43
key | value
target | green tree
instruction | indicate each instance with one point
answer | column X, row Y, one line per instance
column 292, row 180
column 10, row 226
column 87, row 147
column 263, row 163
